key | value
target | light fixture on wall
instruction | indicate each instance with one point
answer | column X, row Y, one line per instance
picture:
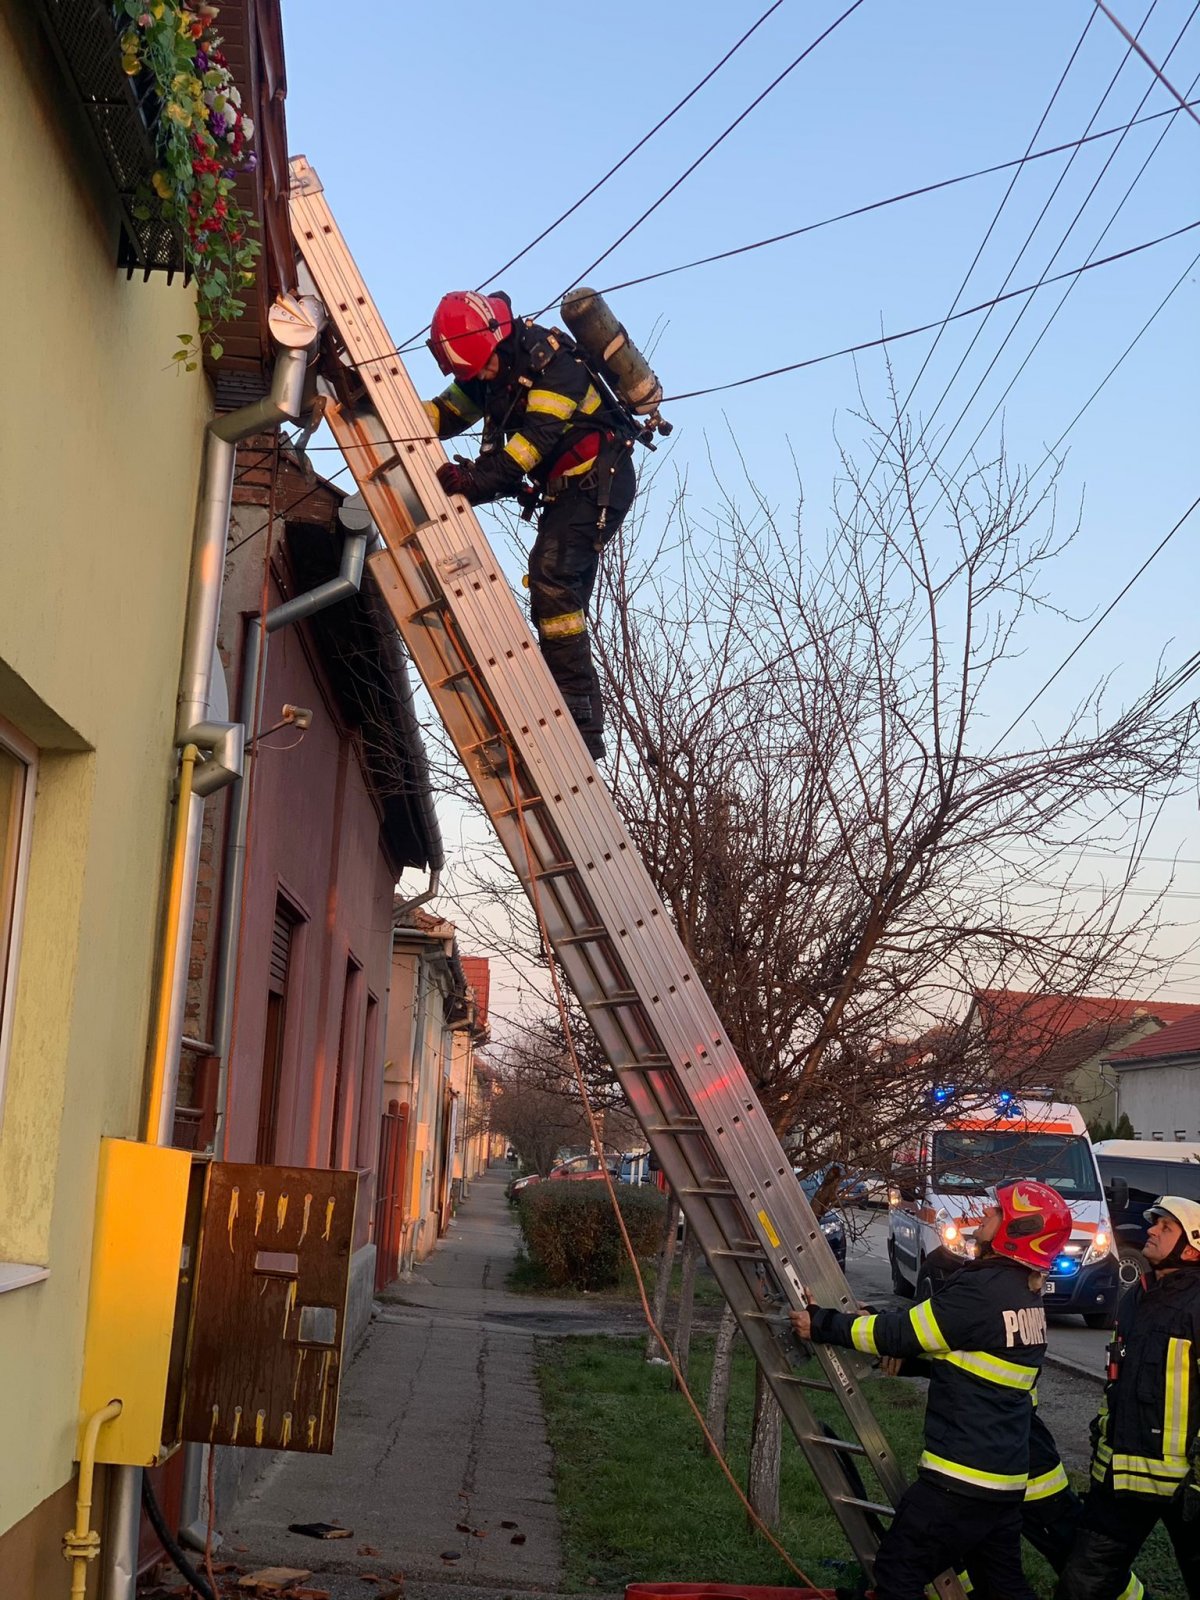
column 299, row 717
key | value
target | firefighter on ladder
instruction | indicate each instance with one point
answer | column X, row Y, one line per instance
column 545, row 420
column 1146, row 1439
column 986, row 1334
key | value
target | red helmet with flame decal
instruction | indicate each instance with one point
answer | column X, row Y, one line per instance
column 1035, row 1223
column 466, row 329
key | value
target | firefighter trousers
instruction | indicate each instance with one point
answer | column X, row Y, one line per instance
column 563, row 565
column 1112, row 1531
column 936, row 1529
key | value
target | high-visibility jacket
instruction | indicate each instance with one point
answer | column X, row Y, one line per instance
column 1151, row 1409
column 543, row 416
column 985, row 1333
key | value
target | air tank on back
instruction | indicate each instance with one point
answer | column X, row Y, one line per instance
column 594, row 327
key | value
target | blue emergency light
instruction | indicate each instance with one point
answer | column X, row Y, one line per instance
column 1065, row 1266
column 942, row 1093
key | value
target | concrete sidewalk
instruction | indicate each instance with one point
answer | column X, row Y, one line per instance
column 440, row 1430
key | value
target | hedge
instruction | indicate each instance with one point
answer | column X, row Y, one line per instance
column 571, row 1232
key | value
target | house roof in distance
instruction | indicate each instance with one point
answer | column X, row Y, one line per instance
column 1181, row 1038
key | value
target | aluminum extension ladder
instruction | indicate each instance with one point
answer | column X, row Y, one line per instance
column 613, row 939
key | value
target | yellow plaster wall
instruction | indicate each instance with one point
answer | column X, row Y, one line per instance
column 100, row 442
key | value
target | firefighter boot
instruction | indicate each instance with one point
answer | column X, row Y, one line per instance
column 581, row 709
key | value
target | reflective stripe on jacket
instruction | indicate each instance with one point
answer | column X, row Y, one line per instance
column 1151, row 1409
column 539, row 409
column 985, row 1334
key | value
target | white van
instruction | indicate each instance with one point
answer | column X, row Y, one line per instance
column 941, row 1192
column 1135, row 1172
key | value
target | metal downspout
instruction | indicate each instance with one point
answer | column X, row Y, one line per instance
column 435, row 883
column 295, row 327
column 360, row 533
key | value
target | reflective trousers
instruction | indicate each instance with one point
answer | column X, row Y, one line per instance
column 562, row 574
column 936, row 1529
column 1112, row 1530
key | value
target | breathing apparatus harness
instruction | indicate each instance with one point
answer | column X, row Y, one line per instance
column 628, row 389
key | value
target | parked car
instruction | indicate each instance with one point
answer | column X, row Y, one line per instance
column 519, row 1185
column 585, row 1167
column 833, row 1226
column 1135, row 1173
column 851, row 1191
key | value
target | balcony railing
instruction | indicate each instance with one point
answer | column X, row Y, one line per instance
column 121, row 113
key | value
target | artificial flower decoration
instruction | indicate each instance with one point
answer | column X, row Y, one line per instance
column 202, row 138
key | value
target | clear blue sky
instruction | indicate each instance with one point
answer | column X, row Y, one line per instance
column 446, row 145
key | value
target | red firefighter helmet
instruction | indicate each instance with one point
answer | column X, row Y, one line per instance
column 466, row 329
column 1035, row 1223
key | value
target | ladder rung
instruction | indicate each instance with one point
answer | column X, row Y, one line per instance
column 865, row 1505
column 585, row 936
column 381, row 467
column 556, row 869
column 429, row 608
column 734, row 1254
column 452, row 678
column 835, row 1444
column 690, row 1125
column 522, row 805
column 804, row 1383
column 711, row 1191
column 613, row 1002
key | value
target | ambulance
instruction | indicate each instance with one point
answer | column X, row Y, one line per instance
column 940, row 1192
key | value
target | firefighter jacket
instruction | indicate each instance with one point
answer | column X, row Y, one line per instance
column 985, row 1333
column 543, row 416
column 1150, row 1414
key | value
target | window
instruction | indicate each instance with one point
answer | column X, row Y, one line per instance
column 1156, row 1136
column 18, row 772
column 279, row 970
column 968, row 1161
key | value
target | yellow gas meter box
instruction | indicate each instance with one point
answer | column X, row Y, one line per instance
column 141, row 1202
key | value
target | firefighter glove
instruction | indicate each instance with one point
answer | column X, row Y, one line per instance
column 456, row 479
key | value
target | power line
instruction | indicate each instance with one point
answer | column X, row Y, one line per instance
column 616, row 167
column 991, row 227
column 704, row 155
column 1067, row 292
column 975, row 337
column 629, row 154
column 891, row 200
column 928, row 327
column 299, row 501
column 1157, row 71
column 1112, row 605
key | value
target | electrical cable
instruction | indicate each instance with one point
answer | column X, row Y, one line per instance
column 1063, row 298
column 413, row 343
column 928, row 423
column 170, row 1544
column 1067, row 659
column 879, row 205
column 299, row 501
column 704, row 155
column 991, row 227
column 1066, row 293
column 630, row 153
column 927, row 327
column 413, row 338
column 1157, row 71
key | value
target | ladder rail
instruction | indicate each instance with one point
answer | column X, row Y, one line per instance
column 602, row 915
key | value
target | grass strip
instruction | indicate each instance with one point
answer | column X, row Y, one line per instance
column 642, row 1501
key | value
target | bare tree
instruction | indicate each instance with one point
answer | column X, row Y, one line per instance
column 806, row 764
column 536, row 1101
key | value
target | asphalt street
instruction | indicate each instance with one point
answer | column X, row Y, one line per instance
column 1070, row 1343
